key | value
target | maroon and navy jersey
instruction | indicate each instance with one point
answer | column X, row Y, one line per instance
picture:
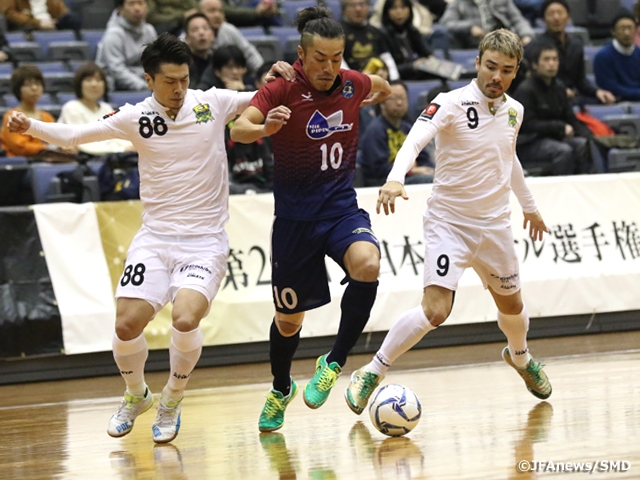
column 315, row 152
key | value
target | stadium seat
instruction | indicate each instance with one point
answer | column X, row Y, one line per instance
column 5, row 83
column 118, row 99
column 11, row 101
column 66, row 51
column 628, row 124
column 590, row 52
column 336, row 9
column 13, row 160
column 26, row 51
column 59, row 82
column 45, row 37
column 629, row 4
column 284, row 34
column 93, row 38
column 249, row 32
column 414, row 91
column 290, row 9
column 15, row 37
column 64, row 97
column 602, row 111
column 466, row 58
column 268, row 46
column 42, row 175
column 49, row 67
column 627, row 160
column 6, row 68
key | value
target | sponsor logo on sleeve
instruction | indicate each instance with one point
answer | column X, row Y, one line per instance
column 430, row 111
column 347, row 90
column 513, row 115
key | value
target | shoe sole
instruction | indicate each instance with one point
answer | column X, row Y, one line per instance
column 541, row 396
column 129, row 431
column 312, row 407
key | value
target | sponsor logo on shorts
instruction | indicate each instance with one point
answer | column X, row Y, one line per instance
column 198, row 268
column 362, row 230
column 509, row 282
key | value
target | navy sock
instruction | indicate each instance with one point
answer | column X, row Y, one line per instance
column 281, row 352
column 356, row 305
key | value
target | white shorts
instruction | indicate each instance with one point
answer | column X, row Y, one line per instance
column 158, row 266
column 450, row 249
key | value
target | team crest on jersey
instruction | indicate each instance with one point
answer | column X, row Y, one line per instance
column 320, row 127
column 203, row 113
column 430, row 111
column 347, row 90
column 513, row 114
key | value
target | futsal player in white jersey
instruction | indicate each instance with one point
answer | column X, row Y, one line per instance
column 179, row 254
column 467, row 222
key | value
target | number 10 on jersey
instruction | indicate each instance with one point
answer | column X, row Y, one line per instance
column 333, row 156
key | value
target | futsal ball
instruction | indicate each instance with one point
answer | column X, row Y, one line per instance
column 395, row 410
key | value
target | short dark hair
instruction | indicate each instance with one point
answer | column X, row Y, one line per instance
column 539, row 46
column 20, row 76
column 317, row 21
column 89, row 69
column 264, row 68
column 623, row 13
column 167, row 48
column 225, row 54
column 120, row 3
column 546, row 3
column 187, row 21
column 399, row 82
column 388, row 4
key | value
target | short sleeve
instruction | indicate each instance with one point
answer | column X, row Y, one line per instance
column 269, row 96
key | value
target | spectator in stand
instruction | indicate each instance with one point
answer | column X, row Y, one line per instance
column 550, row 131
column 227, row 34
column 228, row 70
column 119, row 51
column 90, row 86
column 384, row 137
column 27, row 84
column 469, row 20
column 256, row 13
column 405, row 42
column 169, row 15
column 617, row 66
column 40, row 15
column 199, row 36
column 363, row 41
column 571, row 54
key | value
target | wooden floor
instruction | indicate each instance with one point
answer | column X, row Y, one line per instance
column 478, row 422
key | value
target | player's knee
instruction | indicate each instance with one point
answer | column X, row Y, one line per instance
column 128, row 328
column 185, row 322
column 367, row 270
column 512, row 308
column 436, row 316
column 287, row 329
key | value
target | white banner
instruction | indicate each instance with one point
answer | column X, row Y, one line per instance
column 75, row 259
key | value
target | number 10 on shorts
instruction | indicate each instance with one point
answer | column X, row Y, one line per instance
column 285, row 299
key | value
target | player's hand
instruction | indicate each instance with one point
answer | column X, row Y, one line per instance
column 18, row 122
column 536, row 225
column 283, row 69
column 387, row 196
column 276, row 118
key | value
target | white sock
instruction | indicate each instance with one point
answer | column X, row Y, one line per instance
column 184, row 352
column 130, row 356
column 515, row 328
column 406, row 331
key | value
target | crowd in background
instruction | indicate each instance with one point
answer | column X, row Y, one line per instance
column 392, row 38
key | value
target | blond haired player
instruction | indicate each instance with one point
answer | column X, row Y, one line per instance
column 467, row 223
column 179, row 254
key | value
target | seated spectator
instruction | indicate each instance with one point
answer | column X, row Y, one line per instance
column 228, row 70
column 571, row 54
column 27, row 84
column 119, row 51
column 257, row 13
column 469, row 20
column 227, row 34
column 169, row 15
column 40, row 15
column 550, row 133
column 363, row 41
column 384, row 137
column 199, row 36
column 405, row 42
column 422, row 18
column 90, row 86
column 617, row 66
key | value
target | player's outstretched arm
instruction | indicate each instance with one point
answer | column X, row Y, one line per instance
column 536, row 225
column 388, row 194
column 249, row 127
column 380, row 90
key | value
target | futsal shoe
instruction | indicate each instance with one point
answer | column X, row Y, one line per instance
column 167, row 424
column 319, row 387
column 272, row 416
column 362, row 385
column 534, row 377
column 122, row 421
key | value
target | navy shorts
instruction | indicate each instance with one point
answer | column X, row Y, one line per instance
column 298, row 272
